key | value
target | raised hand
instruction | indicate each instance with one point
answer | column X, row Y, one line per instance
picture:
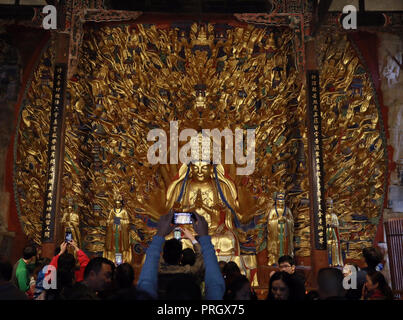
column 63, row 247
column 188, row 234
column 200, row 225
column 165, row 226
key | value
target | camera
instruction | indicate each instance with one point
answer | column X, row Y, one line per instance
column 183, row 218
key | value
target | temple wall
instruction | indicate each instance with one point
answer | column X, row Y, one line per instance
column 390, row 56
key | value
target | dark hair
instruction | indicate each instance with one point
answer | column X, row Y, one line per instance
column 172, row 251
column 295, row 288
column 231, row 267
column 330, row 282
column 286, row 258
column 29, row 252
column 236, row 285
column 222, row 264
column 95, row 265
column 66, row 266
column 6, row 269
column 40, row 264
column 188, row 257
column 312, row 295
column 373, row 256
column 124, row 276
column 377, row 277
column 183, row 287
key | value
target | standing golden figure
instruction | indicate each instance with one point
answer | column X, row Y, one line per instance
column 332, row 235
column 203, row 188
column 117, row 232
column 71, row 221
column 280, row 230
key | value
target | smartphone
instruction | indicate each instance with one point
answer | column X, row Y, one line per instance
column 118, row 258
column 68, row 236
column 182, row 218
column 177, row 233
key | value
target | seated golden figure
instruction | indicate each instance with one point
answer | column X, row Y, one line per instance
column 117, row 233
column 203, row 188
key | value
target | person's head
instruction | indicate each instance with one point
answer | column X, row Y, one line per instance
column 230, row 272
column 222, row 264
column 376, row 280
column 349, row 268
column 231, row 267
column 183, row 287
column 6, row 270
column 239, row 289
column 98, row 273
column 188, row 257
column 66, row 266
column 373, row 257
column 279, row 288
column 330, row 283
column 29, row 254
column 287, row 264
column 312, row 295
column 285, row 286
column 40, row 264
column 172, row 252
column 124, row 276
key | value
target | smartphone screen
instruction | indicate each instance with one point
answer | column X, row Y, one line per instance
column 118, row 258
column 182, row 218
column 69, row 236
column 177, row 233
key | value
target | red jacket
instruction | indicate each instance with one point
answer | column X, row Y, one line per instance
column 82, row 260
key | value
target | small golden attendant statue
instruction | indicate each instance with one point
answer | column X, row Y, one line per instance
column 117, row 233
column 332, row 235
column 71, row 221
column 280, row 230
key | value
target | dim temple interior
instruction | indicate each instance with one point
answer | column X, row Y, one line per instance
column 264, row 139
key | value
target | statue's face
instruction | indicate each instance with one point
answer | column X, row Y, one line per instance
column 201, row 171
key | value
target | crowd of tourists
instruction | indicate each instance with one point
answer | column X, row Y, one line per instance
column 173, row 273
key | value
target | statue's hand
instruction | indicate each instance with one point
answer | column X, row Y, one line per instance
column 219, row 206
column 198, row 204
column 219, row 229
column 199, row 201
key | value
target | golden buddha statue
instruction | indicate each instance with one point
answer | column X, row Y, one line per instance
column 332, row 235
column 203, row 188
column 280, row 230
column 71, row 221
column 117, row 233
